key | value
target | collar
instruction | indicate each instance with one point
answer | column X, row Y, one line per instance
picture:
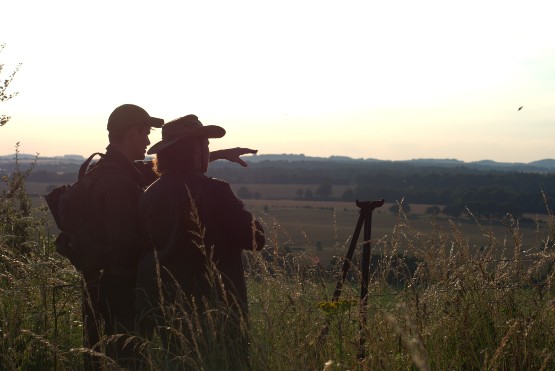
column 114, row 155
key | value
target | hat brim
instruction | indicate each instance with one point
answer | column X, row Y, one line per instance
column 209, row 131
column 155, row 122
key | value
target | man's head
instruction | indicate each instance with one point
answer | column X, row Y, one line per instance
column 184, row 144
column 128, row 129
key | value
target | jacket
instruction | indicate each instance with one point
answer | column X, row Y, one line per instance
column 114, row 213
column 191, row 221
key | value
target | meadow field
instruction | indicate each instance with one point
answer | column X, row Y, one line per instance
column 326, row 227
column 442, row 294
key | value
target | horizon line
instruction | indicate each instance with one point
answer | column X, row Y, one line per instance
column 69, row 155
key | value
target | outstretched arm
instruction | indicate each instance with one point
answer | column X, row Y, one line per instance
column 232, row 154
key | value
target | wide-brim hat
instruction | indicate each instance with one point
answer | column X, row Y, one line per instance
column 185, row 127
column 128, row 115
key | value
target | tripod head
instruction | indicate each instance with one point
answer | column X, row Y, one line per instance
column 369, row 205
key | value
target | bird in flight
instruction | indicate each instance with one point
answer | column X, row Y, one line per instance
column 519, row 108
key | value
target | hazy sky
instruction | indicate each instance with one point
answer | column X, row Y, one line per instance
column 374, row 79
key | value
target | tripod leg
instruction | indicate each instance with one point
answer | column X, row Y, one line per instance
column 366, row 257
column 348, row 257
column 346, row 264
column 365, row 218
column 365, row 279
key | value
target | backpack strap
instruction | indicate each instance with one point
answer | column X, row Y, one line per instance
column 85, row 166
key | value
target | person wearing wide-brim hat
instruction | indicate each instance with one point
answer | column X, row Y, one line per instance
column 194, row 222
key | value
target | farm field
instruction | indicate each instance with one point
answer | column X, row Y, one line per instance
column 286, row 191
column 326, row 227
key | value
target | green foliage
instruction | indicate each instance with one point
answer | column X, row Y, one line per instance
column 334, row 308
column 403, row 205
column 4, row 95
column 324, row 190
column 15, row 207
column 39, row 321
column 433, row 210
column 244, row 193
column 348, row 195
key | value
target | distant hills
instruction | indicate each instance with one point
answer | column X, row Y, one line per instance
column 488, row 188
column 545, row 165
column 542, row 166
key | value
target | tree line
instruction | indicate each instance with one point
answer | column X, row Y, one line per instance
column 454, row 188
column 484, row 192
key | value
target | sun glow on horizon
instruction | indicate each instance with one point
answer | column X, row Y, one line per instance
column 389, row 81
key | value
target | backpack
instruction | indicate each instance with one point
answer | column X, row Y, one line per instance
column 69, row 206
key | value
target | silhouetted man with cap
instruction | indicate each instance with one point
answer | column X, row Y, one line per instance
column 113, row 215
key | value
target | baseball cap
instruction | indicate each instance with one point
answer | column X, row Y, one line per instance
column 128, row 115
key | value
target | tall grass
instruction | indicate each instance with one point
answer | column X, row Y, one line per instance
column 435, row 302
column 39, row 319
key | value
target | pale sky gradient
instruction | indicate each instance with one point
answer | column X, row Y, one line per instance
column 390, row 80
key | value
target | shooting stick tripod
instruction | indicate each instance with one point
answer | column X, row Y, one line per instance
column 365, row 218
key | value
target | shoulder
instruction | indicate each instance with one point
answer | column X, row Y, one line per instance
column 107, row 175
column 217, row 183
column 107, row 167
column 220, row 191
column 219, row 188
column 165, row 187
column 158, row 186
